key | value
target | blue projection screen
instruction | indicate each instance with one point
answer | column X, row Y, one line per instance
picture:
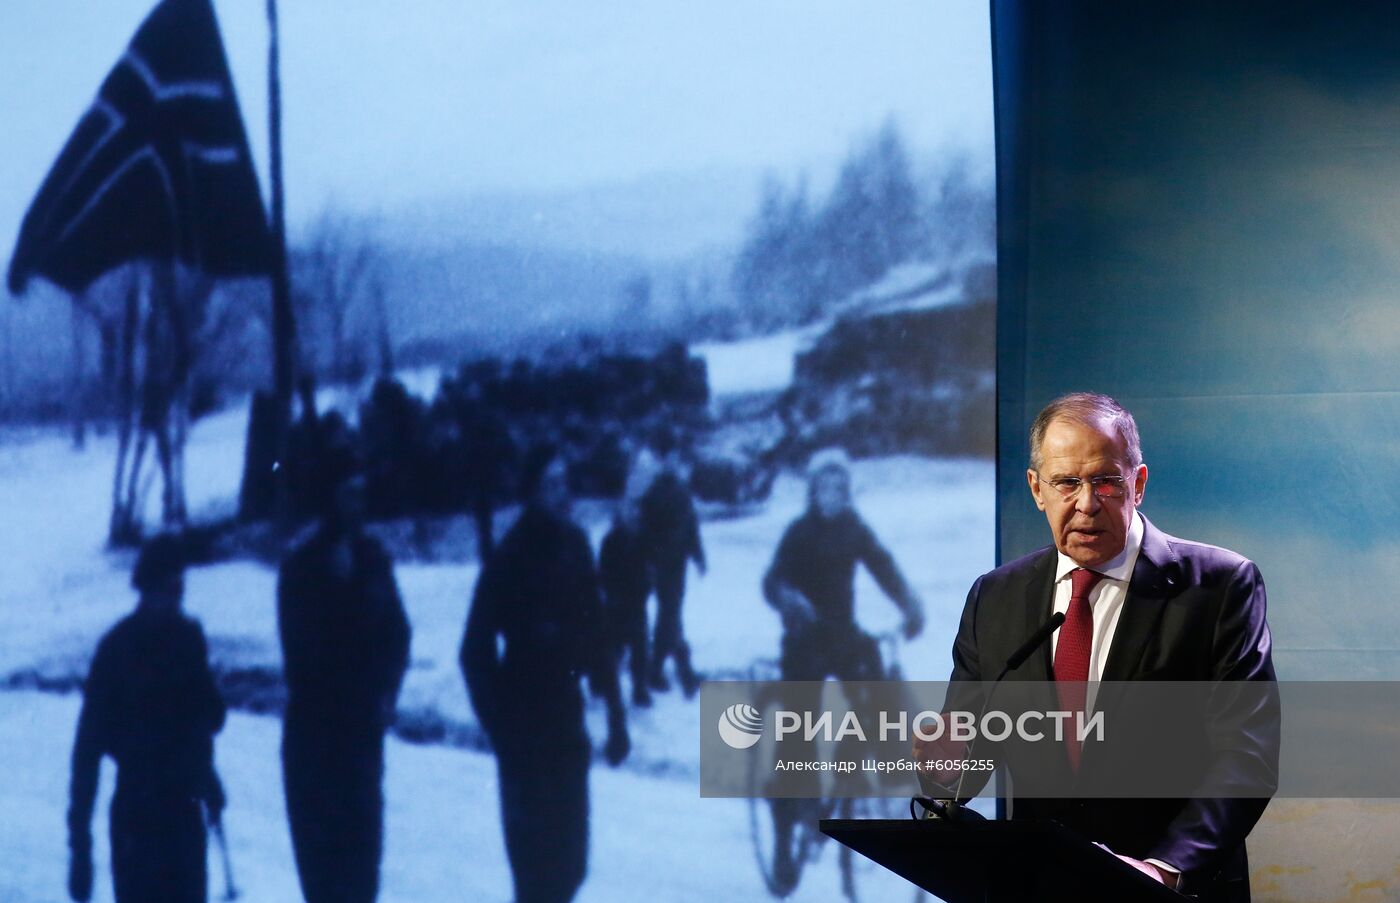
column 697, row 251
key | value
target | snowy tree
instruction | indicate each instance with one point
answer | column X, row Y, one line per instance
column 338, row 292
column 871, row 222
column 773, row 272
column 795, row 262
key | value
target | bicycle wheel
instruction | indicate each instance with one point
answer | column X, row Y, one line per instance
column 784, row 832
column 780, row 870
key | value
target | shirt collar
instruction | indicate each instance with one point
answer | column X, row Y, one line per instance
column 1120, row 567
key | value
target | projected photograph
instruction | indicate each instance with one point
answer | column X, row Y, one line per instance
column 404, row 408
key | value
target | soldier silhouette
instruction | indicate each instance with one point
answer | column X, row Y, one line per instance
column 539, row 593
column 150, row 703
column 488, row 460
column 625, row 572
column 345, row 641
column 672, row 531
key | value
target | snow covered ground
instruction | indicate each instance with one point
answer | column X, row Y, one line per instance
column 759, row 364
column 652, row 839
column 60, row 590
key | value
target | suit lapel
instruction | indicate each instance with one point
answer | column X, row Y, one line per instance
column 1039, row 595
column 1031, row 686
column 1151, row 585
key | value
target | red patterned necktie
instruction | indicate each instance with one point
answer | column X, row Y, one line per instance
column 1072, row 652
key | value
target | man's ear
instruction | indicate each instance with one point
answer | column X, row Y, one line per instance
column 1034, row 482
column 1139, row 485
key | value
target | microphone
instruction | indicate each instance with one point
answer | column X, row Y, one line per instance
column 950, row 808
column 1019, row 657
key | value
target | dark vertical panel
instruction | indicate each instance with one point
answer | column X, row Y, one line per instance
column 1010, row 75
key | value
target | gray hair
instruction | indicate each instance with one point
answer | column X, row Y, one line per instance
column 1090, row 409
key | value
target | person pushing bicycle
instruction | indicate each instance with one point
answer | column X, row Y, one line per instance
column 811, row 584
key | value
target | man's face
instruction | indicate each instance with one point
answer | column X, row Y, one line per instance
column 1088, row 528
column 831, row 493
column 349, row 502
column 166, row 595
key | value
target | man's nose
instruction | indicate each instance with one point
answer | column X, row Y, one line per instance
column 1086, row 501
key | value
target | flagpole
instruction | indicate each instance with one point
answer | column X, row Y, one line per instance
column 284, row 338
column 283, row 322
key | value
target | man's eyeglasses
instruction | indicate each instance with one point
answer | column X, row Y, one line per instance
column 1108, row 487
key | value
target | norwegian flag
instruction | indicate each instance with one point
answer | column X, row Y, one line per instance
column 158, row 167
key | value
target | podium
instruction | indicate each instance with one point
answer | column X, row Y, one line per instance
column 997, row 861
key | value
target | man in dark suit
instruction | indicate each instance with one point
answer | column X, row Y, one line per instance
column 1139, row 605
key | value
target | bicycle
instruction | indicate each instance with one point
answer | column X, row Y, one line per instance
column 807, row 840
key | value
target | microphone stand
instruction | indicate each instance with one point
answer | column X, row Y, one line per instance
column 952, row 810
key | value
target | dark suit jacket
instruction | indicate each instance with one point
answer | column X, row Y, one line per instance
column 1193, row 612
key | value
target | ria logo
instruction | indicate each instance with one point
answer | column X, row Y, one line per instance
column 740, row 726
